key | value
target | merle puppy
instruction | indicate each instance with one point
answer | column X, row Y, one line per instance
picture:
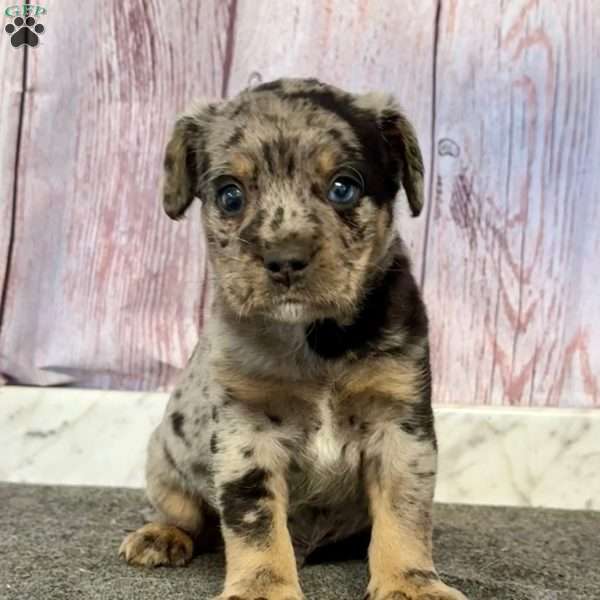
column 304, row 414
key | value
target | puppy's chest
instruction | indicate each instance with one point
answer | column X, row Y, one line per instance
column 325, row 466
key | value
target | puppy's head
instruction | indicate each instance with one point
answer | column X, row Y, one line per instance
column 297, row 181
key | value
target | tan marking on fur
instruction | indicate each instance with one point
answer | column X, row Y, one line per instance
column 395, row 546
column 394, row 540
column 178, row 508
column 255, row 389
column 382, row 377
column 157, row 544
column 242, row 166
column 245, row 562
column 399, row 545
column 326, row 161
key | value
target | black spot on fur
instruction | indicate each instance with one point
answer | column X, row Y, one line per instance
column 215, row 414
column 224, row 243
column 275, row 419
column 422, row 413
column 169, row 162
column 352, row 420
column 243, row 498
column 247, row 452
column 336, row 134
column 201, row 470
column 314, row 218
column 270, row 86
column 348, row 217
column 268, row 157
column 177, row 420
column 228, row 400
column 277, row 218
column 315, row 190
column 266, row 577
column 344, row 241
column 250, row 233
column 373, row 465
column 235, row 138
column 214, row 443
column 291, row 165
column 408, row 427
column 177, row 394
column 171, row 461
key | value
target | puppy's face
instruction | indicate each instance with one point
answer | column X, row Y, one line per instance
column 297, row 181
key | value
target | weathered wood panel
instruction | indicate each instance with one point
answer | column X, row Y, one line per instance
column 105, row 290
column 361, row 46
column 514, row 234
column 114, row 290
column 11, row 87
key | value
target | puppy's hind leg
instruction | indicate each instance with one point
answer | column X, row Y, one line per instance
column 169, row 540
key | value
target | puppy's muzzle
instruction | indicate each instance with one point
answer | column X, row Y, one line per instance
column 289, row 263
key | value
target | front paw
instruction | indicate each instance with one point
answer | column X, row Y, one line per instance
column 156, row 544
column 275, row 592
column 415, row 585
column 278, row 594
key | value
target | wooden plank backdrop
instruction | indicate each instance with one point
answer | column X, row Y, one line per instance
column 105, row 291
column 11, row 91
column 511, row 272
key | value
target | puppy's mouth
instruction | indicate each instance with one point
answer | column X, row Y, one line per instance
column 296, row 309
column 292, row 311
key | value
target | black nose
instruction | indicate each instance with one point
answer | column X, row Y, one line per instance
column 286, row 267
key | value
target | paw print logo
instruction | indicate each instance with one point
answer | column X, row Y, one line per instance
column 24, row 31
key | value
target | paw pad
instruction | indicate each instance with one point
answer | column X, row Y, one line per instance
column 24, row 31
column 155, row 544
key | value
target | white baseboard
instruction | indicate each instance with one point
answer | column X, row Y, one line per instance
column 503, row 456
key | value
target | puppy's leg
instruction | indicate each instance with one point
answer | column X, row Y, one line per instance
column 260, row 560
column 400, row 475
column 169, row 540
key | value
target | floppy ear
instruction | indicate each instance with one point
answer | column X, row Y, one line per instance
column 401, row 140
column 180, row 171
column 185, row 160
column 399, row 133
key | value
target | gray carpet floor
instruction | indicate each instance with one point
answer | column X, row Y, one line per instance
column 61, row 543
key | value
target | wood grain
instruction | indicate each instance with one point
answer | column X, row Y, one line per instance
column 114, row 290
column 514, row 234
column 11, row 90
column 106, row 290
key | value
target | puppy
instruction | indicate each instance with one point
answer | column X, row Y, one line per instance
column 304, row 414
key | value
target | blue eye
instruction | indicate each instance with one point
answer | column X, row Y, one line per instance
column 344, row 191
column 230, row 199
